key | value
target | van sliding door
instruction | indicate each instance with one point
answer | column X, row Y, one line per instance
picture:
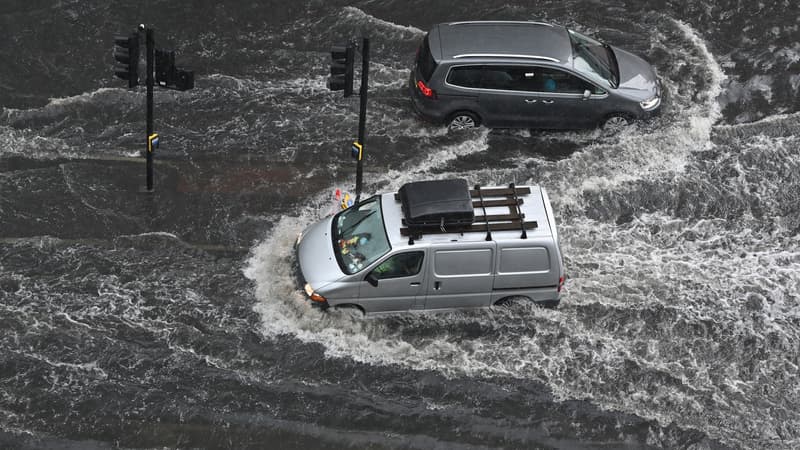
column 461, row 276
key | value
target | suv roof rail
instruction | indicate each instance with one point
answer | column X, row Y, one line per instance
column 505, row 55
column 482, row 198
column 490, row 22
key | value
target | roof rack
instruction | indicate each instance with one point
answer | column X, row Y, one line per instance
column 505, row 55
column 494, row 22
column 481, row 198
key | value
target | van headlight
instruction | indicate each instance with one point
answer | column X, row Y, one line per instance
column 652, row 103
column 313, row 295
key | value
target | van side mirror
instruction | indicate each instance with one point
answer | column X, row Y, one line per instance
column 371, row 279
column 586, row 94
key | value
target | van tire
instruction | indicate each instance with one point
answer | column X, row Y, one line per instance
column 463, row 120
column 549, row 304
column 351, row 309
column 515, row 299
column 512, row 300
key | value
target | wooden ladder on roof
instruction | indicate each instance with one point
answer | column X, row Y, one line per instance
column 482, row 199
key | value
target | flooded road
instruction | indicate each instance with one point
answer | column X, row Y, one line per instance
column 173, row 319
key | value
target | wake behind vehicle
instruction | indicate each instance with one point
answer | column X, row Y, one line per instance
column 435, row 245
column 528, row 75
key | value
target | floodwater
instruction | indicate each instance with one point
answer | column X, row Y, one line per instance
column 172, row 319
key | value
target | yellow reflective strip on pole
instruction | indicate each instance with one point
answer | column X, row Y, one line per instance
column 150, row 140
column 360, row 148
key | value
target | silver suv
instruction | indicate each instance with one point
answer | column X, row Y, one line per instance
column 528, row 75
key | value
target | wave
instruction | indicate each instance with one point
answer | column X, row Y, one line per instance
column 405, row 31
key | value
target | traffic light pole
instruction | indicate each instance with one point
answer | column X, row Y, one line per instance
column 362, row 114
column 160, row 66
column 150, row 49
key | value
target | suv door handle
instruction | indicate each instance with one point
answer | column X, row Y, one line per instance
column 530, row 100
column 416, row 283
column 547, row 102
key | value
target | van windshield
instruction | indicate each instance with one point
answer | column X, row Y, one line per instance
column 594, row 59
column 359, row 237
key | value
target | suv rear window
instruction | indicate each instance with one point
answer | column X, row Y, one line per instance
column 465, row 76
column 426, row 65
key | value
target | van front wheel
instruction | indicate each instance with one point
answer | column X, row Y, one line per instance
column 350, row 310
column 463, row 120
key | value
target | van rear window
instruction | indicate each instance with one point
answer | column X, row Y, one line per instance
column 426, row 65
column 524, row 260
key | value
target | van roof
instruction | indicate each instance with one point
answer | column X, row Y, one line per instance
column 500, row 39
column 532, row 206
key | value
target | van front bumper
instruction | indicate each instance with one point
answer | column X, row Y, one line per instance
column 301, row 283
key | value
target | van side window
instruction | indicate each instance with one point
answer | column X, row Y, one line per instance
column 465, row 76
column 463, row 262
column 400, row 265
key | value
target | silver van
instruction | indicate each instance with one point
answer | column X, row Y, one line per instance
column 435, row 245
column 528, row 75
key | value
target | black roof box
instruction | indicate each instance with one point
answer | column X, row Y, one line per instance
column 434, row 203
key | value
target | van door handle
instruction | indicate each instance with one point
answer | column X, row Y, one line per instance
column 437, row 285
column 416, row 283
column 530, row 100
column 547, row 102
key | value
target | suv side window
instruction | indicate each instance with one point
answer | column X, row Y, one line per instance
column 499, row 77
column 534, row 79
column 519, row 78
column 400, row 265
column 548, row 79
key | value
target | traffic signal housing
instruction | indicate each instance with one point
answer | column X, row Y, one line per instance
column 342, row 59
column 126, row 53
column 169, row 76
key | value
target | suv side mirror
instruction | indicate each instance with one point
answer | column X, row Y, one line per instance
column 586, row 94
column 370, row 278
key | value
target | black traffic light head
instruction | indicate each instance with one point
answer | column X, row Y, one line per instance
column 169, row 76
column 127, row 54
column 165, row 67
column 342, row 59
column 184, row 79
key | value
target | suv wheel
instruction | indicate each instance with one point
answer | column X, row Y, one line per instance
column 463, row 120
column 616, row 123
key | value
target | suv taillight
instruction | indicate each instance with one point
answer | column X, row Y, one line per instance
column 560, row 283
column 425, row 90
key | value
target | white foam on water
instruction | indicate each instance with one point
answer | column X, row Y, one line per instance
column 16, row 142
column 101, row 95
column 402, row 31
column 252, row 88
